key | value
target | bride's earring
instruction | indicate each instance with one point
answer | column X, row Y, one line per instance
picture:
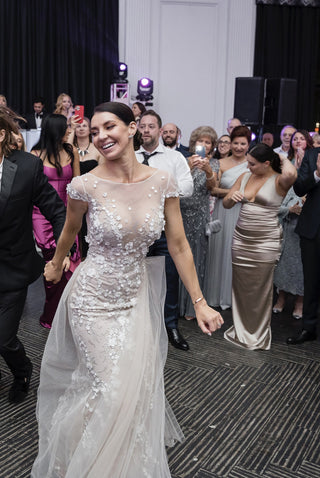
column 131, row 136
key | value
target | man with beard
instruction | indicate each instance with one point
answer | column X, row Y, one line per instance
column 171, row 136
column 158, row 156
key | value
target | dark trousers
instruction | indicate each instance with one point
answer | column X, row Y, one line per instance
column 171, row 307
column 11, row 349
column 310, row 254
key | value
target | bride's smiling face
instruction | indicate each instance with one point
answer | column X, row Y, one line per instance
column 110, row 134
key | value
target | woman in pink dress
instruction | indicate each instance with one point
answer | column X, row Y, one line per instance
column 60, row 164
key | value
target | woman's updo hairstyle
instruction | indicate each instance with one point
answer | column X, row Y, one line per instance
column 239, row 132
column 262, row 153
column 122, row 111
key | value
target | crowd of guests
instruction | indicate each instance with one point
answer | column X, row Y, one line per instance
column 237, row 200
column 233, row 234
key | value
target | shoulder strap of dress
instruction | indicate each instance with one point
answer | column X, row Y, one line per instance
column 244, row 181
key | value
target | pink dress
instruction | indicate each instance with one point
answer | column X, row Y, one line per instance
column 43, row 234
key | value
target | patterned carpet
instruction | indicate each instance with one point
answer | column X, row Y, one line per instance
column 244, row 414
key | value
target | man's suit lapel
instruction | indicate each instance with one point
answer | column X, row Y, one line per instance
column 8, row 175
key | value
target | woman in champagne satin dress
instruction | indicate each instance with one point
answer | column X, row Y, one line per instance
column 256, row 244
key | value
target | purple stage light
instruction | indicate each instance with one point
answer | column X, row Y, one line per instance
column 120, row 73
column 145, row 82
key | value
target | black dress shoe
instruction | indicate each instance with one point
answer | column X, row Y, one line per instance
column 304, row 336
column 20, row 387
column 177, row 340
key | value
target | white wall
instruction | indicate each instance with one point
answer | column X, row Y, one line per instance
column 193, row 50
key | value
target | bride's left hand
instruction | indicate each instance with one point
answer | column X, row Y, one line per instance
column 209, row 320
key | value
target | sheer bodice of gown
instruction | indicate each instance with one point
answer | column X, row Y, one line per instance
column 255, row 250
column 102, row 410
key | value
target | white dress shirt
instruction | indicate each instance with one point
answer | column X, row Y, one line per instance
column 279, row 150
column 172, row 161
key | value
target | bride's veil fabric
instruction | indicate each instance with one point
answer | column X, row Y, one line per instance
column 115, row 423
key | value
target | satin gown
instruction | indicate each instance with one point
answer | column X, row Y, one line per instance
column 101, row 405
column 218, row 274
column 44, row 238
column 255, row 249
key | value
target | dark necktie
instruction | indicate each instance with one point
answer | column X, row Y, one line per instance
column 38, row 115
column 147, row 156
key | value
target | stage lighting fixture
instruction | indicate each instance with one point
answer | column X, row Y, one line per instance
column 145, row 89
column 121, row 73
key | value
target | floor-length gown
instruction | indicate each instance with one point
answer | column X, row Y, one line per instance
column 218, row 273
column 101, row 405
column 288, row 275
column 43, row 234
column 195, row 214
column 255, row 250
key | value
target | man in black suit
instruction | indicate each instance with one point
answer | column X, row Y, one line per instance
column 308, row 228
column 34, row 120
column 22, row 185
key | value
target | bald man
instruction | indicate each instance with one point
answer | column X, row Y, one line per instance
column 232, row 123
column 171, row 135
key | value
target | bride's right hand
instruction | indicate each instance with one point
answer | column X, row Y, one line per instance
column 52, row 273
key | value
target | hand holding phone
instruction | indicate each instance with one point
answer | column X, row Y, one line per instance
column 79, row 111
column 201, row 151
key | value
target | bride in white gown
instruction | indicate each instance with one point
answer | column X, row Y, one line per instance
column 101, row 405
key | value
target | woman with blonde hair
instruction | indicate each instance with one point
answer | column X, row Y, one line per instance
column 64, row 106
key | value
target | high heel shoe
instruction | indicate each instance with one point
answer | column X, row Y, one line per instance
column 277, row 310
column 297, row 315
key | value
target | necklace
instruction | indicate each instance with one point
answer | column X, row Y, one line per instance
column 83, row 152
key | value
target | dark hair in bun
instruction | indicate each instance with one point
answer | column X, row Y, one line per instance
column 262, row 153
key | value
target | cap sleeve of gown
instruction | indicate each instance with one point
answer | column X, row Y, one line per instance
column 76, row 189
column 172, row 187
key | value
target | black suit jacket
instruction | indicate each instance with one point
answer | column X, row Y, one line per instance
column 31, row 121
column 24, row 185
column 309, row 219
column 183, row 150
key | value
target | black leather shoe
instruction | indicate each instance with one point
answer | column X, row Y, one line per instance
column 304, row 336
column 20, row 387
column 177, row 340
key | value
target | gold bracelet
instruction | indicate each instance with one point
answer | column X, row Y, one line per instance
column 197, row 300
column 210, row 177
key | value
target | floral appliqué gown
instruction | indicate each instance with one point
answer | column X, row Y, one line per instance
column 101, row 408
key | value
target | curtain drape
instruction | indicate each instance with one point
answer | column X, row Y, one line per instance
column 287, row 45
column 48, row 47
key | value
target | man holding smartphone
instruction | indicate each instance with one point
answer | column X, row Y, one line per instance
column 158, row 156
